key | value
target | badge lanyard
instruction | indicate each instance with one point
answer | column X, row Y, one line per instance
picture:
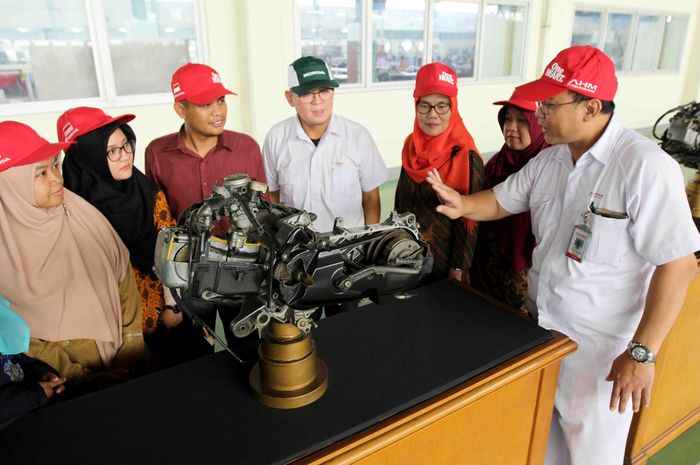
column 581, row 235
column 580, row 238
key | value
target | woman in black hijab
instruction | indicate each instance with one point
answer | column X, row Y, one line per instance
column 100, row 168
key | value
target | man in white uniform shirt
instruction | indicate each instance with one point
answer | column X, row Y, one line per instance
column 614, row 255
column 319, row 161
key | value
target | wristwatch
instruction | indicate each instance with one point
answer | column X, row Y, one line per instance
column 640, row 353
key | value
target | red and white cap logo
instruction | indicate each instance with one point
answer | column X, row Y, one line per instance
column 69, row 131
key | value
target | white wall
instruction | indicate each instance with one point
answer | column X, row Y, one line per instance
column 251, row 43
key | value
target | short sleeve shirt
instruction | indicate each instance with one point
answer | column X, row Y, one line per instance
column 327, row 179
column 186, row 178
column 625, row 173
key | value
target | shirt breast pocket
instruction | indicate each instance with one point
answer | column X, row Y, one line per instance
column 293, row 182
column 345, row 179
column 610, row 240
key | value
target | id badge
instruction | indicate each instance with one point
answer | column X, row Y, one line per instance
column 578, row 243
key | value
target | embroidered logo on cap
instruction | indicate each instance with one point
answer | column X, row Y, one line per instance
column 555, row 72
column 176, row 90
column 314, row 73
column 4, row 160
column 215, row 78
column 69, row 131
column 447, row 77
column 583, row 85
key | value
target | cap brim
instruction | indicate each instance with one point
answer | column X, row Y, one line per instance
column 42, row 153
column 207, row 96
column 123, row 119
column 522, row 104
column 539, row 90
column 308, row 87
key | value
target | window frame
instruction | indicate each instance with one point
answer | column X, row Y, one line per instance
column 107, row 98
column 605, row 11
column 366, row 83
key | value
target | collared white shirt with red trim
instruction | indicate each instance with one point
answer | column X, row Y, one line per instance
column 327, row 179
column 623, row 172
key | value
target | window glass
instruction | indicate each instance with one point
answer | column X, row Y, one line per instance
column 672, row 44
column 587, row 28
column 148, row 41
column 617, row 36
column 45, row 51
column 645, row 40
column 455, row 27
column 397, row 39
column 332, row 30
column 504, row 26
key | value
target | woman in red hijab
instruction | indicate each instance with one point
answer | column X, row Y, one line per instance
column 440, row 141
column 504, row 249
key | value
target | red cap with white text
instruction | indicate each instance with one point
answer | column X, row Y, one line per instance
column 581, row 69
column 435, row 78
column 198, row 84
column 81, row 120
column 21, row 145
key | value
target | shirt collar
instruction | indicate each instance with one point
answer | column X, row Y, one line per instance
column 334, row 127
column 603, row 147
column 179, row 142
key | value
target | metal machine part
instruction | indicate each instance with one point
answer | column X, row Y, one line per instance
column 271, row 255
column 681, row 139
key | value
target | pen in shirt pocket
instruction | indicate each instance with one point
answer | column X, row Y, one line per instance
column 605, row 213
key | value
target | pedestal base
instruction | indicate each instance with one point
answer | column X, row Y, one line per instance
column 289, row 374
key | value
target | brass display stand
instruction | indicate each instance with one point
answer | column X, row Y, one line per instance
column 289, row 374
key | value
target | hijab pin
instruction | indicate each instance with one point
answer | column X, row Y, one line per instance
column 65, row 209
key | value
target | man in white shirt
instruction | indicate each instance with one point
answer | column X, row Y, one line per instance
column 319, row 161
column 614, row 255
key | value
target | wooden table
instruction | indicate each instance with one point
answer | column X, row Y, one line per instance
column 445, row 377
column 675, row 398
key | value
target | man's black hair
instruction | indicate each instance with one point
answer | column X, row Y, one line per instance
column 608, row 106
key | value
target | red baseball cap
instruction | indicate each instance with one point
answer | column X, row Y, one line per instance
column 21, row 145
column 81, row 120
column 581, row 69
column 435, row 78
column 517, row 101
column 198, row 84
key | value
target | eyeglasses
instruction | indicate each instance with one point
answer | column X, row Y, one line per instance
column 547, row 108
column 115, row 153
column 440, row 108
column 323, row 94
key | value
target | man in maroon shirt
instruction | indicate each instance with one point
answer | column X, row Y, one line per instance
column 187, row 163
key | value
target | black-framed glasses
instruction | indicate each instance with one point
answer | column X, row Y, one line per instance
column 323, row 94
column 440, row 108
column 115, row 153
column 547, row 108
